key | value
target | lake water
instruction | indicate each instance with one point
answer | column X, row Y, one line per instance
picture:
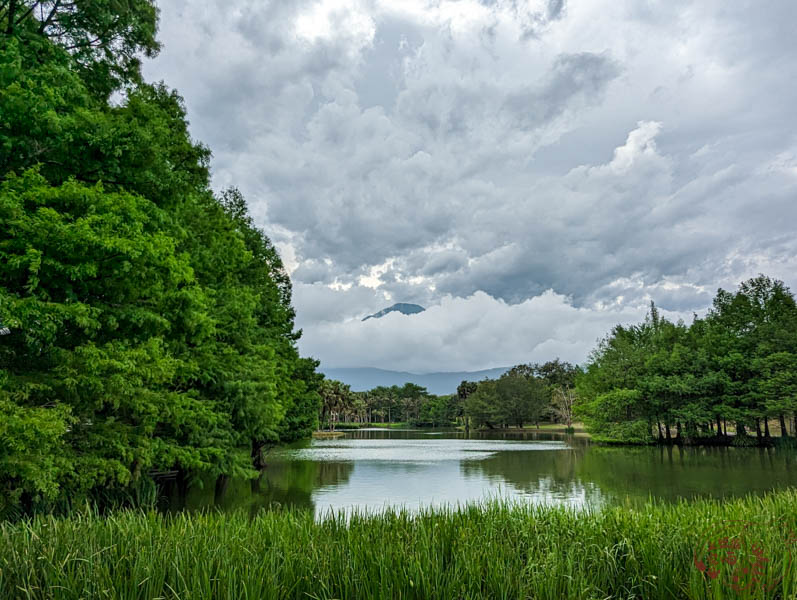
column 372, row 469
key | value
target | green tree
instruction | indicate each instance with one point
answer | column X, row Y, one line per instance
column 520, row 399
column 734, row 365
column 104, row 38
column 336, row 397
column 481, row 405
column 151, row 321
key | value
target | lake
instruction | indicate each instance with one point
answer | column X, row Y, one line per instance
column 374, row 468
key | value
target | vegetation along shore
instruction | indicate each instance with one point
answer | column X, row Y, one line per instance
column 489, row 551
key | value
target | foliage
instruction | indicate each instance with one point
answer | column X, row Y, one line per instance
column 527, row 393
column 104, row 38
column 151, row 320
column 491, row 551
column 335, row 397
column 409, row 404
column 671, row 382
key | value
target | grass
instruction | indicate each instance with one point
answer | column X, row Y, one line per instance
column 578, row 428
column 327, row 435
column 352, row 425
column 491, row 551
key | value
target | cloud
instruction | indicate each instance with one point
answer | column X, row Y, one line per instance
column 469, row 333
column 432, row 151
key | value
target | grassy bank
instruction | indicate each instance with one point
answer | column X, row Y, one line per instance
column 344, row 425
column 495, row 551
column 578, row 429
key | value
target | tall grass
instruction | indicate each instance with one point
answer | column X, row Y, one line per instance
column 492, row 551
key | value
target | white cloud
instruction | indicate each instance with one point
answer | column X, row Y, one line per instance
column 468, row 333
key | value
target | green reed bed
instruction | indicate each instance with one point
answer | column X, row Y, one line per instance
column 493, row 551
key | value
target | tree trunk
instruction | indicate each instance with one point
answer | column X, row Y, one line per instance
column 222, row 481
column 766, row 428
column 784, row 432
column 661, row 435
column 181, row 482
column 719, row 426
column 677, row 431
column 740, row 430
column 258, row 462
column 667, row 432
column 758, row 429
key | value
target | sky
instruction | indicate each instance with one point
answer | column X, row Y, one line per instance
column 533, row 172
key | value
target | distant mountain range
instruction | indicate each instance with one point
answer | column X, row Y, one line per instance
column 402, row 307
column 365, row 378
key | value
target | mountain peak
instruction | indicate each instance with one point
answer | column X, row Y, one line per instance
column 402, row 307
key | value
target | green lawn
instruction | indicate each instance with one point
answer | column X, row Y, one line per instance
column 363, row 425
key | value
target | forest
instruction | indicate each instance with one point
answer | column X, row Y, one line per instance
column 148, row 327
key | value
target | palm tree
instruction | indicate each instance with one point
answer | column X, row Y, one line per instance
column 336, row 397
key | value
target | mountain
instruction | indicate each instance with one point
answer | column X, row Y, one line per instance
column 402, row 307
column 365, row 378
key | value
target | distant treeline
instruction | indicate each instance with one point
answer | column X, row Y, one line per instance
column 525, row 394
column 148, row 327
column 410, row 403
column 726, row 378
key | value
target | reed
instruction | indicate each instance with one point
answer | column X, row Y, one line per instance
column 495, row 550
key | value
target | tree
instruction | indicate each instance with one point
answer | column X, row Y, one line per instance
column 481, row 405
column 564, row 401
column 464, row 390
column 513, row 399
column 520, row 399
column 735, row 365
column 335, row 398
column 151, row 326
column 104, row 38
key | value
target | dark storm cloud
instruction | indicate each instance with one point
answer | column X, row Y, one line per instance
column 612, row 152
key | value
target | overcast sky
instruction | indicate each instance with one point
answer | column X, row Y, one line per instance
column 533, row 172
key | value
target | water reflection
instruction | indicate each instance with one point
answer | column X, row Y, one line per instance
column 371, row 469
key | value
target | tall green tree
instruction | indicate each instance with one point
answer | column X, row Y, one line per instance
column 151, row 326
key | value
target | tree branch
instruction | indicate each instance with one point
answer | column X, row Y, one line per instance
column 46, row 22
column 27, row 13
column 12, row 10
